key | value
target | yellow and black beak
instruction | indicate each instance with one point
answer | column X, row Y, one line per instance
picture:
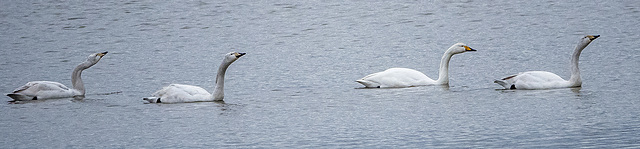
column 103, row 53
column 467, row 48
column 592, row 37
column 238, row 55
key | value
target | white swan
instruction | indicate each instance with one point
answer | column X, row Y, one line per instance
column 548, row 80
column 37, row 90
column 177, row 93
column 405, row 77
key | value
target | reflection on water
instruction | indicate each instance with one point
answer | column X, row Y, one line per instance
column 297, row 87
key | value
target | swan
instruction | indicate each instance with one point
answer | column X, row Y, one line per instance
column 405, row 77
column 37, row 90
column 178, row 93
column 548, row 80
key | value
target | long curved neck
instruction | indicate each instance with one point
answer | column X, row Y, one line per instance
column 443, row 73
column 218, row 92
column 575, row 79
column 76, row 79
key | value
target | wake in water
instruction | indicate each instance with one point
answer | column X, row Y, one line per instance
column 74, row 98
column 118, row 92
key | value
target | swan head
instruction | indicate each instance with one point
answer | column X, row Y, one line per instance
column 94, row 58
column 586, row 40
column 233, row 56
column 459, row 48
column 589, row 38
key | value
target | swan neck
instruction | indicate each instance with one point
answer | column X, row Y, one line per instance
column 575, row 79
column 443, row 73
column 76, row 79
column 218, row 92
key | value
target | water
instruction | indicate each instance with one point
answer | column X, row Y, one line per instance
column 295, row 87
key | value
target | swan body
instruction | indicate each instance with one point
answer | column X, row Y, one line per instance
column 405, row 77
column 396, row 77
column 533, row 80
column 548, row 80
column 179, row 93
column 37, row 90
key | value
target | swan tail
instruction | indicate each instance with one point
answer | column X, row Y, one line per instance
column 505, row 84
column 152, row 99
column 21, row 97
column 502, row 83
column 368, row 83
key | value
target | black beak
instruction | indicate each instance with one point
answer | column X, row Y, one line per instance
column 467, row 48
column 595, row 36
column 241, row 54
column 101, row 54
column 105, row 52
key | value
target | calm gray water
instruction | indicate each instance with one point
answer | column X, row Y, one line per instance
column 295, row 87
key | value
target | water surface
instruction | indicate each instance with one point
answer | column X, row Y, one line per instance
column 295, row 87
